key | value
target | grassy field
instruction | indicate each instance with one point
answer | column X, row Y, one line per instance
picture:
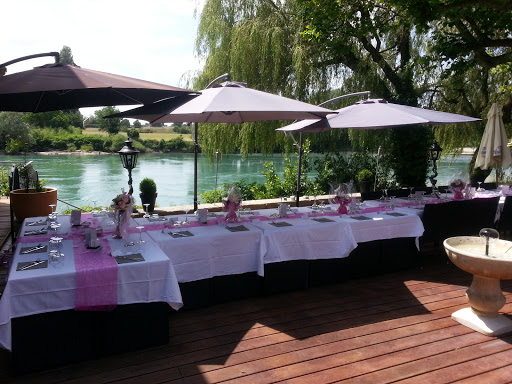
column 156, row 134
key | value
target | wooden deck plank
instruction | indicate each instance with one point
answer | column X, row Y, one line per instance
column 466, row 370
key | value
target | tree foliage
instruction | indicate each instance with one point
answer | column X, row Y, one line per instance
column 13, row 127
column 450, row 55
column 111, row 125
column 66, row 56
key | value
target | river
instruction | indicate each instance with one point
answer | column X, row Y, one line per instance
column 83, row 179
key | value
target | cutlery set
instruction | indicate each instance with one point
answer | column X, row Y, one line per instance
column 33, row 249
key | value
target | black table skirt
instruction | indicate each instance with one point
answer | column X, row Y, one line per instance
column 55, row 338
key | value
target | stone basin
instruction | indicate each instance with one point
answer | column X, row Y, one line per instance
column 484, row 295
column 468, row 253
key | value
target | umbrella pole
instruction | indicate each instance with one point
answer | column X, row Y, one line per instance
column 195, row 166
column 297, row 194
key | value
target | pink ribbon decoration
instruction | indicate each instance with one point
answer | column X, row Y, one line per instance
column 342, row 201
column 96, row 276
column 231, row 207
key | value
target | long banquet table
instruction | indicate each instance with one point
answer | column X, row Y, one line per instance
column 260, row 253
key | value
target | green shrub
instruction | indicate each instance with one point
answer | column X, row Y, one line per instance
column 87, row 148
column 147, row 186
column 365, row 175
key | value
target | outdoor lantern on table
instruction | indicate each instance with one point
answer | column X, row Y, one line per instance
column 434, row 151
column 128, row 156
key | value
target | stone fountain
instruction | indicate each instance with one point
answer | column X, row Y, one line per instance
column 490, row 261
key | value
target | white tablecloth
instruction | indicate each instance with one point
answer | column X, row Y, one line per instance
column 212, row 251
column 305, row 239
column 35, row 291
column 381, row 226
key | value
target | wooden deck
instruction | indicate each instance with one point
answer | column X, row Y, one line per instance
column 386, row 329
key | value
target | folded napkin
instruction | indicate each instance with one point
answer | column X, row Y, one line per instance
column 324, row 220
column 396, row 214
column 130, row 258
column 29, row 265
column 181, row 234
column 38, row 249
column 36, row 232
column 361, row 218
column 280, row 224
column 238, row 228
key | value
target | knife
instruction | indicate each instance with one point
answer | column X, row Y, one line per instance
column 32, row 265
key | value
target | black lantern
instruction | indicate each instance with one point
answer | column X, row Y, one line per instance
column 128, row 156
column 434, row 151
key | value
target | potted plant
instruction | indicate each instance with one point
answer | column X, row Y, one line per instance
column 147, row 188
column 33, row 199
column 365, row 178
column 479, row 175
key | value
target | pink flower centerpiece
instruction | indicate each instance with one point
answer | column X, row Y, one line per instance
column 121, row 207
column 232, row 203
column 343, row 197
column 457, row 187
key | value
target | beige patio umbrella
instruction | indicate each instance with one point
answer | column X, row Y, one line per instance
column 494, row 151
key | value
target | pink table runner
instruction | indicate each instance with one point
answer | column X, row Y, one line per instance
column 96, row 269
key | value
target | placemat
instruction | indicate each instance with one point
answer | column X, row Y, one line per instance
column 396, row 214
column 324, row 220
column 24, row 250
column 181, row 234
column 361, row 218
column 37, row 232
column 132, row 258
column 281, row 224
column 26, row 264
column 151, row 219
column 35, row 223
column 238, row 228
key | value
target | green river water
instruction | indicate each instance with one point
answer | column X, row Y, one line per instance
column 82, row 179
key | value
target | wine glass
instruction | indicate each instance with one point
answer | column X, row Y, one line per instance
column 321, row 206
column 480, row 189
column 186, row 216
column 315, row 205
column 94, row 211
column 384, row 194
column 140, row 228
column 411, row 195
column 146, row 210
column 52, row 216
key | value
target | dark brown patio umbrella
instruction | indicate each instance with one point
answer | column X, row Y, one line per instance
column 58, row 86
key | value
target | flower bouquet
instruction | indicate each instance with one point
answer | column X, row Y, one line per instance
column 343, row 197
column 457, row 186
column 232, row 203
column 121, row 208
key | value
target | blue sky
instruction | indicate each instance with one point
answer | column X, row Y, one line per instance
column 151, row 40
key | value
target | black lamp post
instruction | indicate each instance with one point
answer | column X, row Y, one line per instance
column 434, row 152
column 128, row 156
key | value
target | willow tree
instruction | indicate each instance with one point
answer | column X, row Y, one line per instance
column 260, row 43
column 310, row 50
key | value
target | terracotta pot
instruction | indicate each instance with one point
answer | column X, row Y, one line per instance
column 32, row 204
